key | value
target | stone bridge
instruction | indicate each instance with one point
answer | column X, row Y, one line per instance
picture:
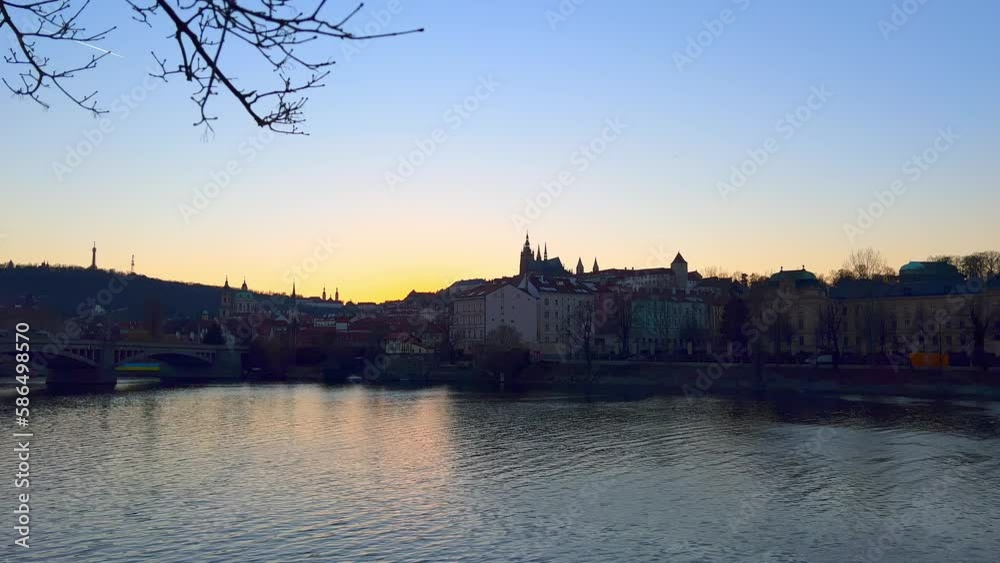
column 94, row 363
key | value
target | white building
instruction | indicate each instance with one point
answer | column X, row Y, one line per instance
column 565, row 308
column 479, row 311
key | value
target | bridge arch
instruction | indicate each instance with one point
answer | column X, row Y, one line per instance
column 69, row 356
column 173, row 357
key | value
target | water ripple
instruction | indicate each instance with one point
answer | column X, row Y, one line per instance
column 315, row 473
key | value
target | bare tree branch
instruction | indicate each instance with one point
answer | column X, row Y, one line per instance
column 866, row 264
column 50, row 20
column 275, row 30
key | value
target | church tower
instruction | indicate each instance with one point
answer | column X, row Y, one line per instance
column 579, row 266
column 226, row 310
column 595, row 269
column 680, row 269
column 526, row 257
column 293, row 307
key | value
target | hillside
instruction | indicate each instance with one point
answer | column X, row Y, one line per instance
column 64, row 289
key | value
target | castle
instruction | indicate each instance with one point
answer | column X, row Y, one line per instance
column 540, row 264
column 237, row 303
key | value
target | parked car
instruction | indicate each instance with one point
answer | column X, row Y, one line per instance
column 823, row 361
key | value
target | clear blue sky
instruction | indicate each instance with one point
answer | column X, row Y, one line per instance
column 654, row 190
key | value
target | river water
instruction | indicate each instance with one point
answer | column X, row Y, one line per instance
column 314, row 473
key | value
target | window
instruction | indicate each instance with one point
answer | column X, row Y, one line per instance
column 802, row 340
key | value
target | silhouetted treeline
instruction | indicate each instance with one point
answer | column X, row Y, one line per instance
column 68, row 290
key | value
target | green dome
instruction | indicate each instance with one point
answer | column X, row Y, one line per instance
column 929, row 270
column 794, row 275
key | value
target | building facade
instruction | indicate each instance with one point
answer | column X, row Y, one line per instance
column 565, row 313
column 667, row 322
column 931, row 309
column 483, row 309
column 237, row 303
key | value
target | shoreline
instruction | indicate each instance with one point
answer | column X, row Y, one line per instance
column 688, row 379
column 697, row 380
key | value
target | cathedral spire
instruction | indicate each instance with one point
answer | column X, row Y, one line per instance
column 538, row 256
column 595, row 268
column 546, row 251
column 324, row 293
column 579, row 266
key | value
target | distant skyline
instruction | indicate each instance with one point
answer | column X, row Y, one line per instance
column 617, row 131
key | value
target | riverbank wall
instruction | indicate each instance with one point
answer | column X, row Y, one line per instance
column 713, row 378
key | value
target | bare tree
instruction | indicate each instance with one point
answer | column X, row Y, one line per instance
column 715, row 272
column 579, row 331
column 502, row 352
column 503, row 338
column 831, row 325
column 55, row 21
column 981, row 316
column 692, row 333
column 275, row 30
column 954, row 260
column 981, row 265
column 623, row 319
column 866, row 264
column 991, row 263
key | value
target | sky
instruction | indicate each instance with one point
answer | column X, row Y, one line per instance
column 747, row 135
